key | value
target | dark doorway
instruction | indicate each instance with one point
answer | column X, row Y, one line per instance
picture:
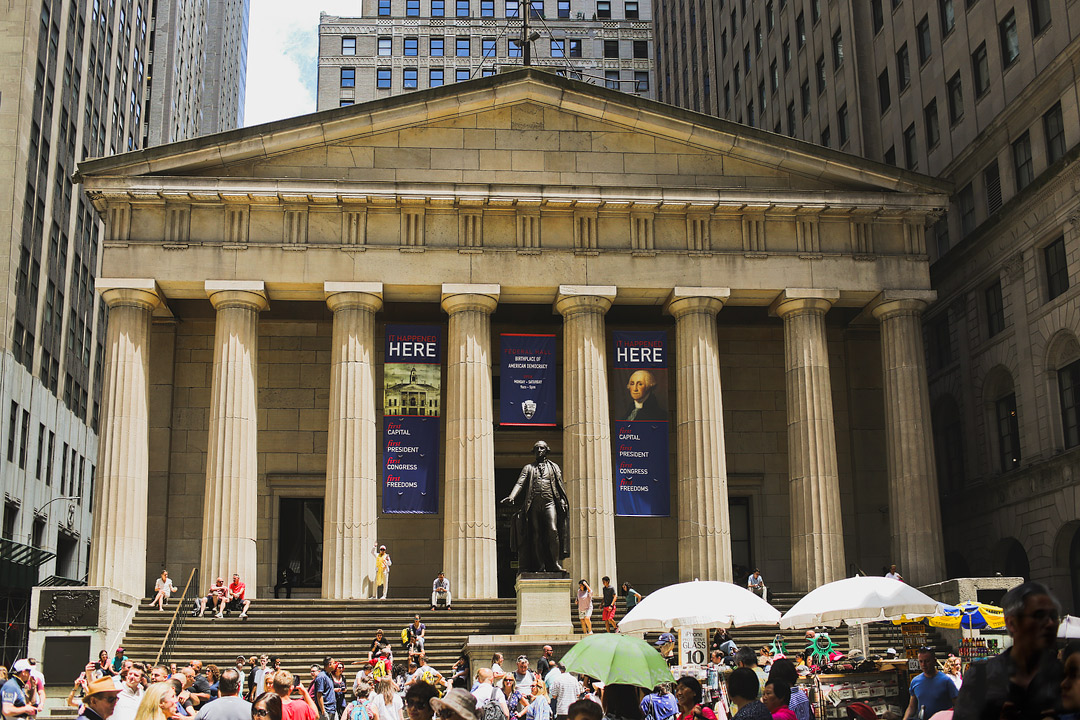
column 742, row 550
column 507, row 561
column 300, row 538
column 67, row 555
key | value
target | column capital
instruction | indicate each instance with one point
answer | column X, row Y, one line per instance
column 806, row 299
column 142, row 293
column 583, row 298
column 684, row 300
column 249, row 294
column 461, row 297
column 895, row 302
column 354, row 295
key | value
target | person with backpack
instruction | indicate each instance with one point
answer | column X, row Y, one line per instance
column 490, row 703
column 358, row 708
column 660, row 704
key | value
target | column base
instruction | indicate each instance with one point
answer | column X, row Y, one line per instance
column 543, row 604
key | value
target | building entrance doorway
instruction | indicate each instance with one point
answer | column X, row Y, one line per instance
column 507, row 563
column 300, row 539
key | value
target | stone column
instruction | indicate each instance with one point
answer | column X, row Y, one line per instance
column 469, row 548
column 230, row 505
column 351, row 512
column 587, row 470
column 118, row 548
column 817, row 535
column 914, row 509
column 704, row 527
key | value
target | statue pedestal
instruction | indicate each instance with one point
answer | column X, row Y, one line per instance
column 543, row 618
column 543, row 604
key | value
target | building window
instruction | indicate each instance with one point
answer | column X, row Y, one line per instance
column 1008, row 428
column 611, row 79
column 1010, row 41
column 804, row 93
column 1069, row 397
column 575, row 48
column 611, row 48
column 980, row 70
column 910, row 149
column 348, row 77
column 956, row 99
column 933, row 133
column 382, row 78
column 408, row 78
column 770, row 17
column 346, row 103
column 641, row 49
column 1057, row 270
column 903, row 68
column 412, row 46
column 412, row 8
column 386, row 47
column 995, row 309
column 883, row 92
column 750, row 113
column 837, row 50
column 889, row 158
column 992, row 183
column 774, row 77
column 461, row 74
column 876, row 15
column 842, row 124
column 791, row 118
column 826, row 137
column 757, row 38
column 603, row 10
column 435, row 77
column 438, row 8
column 11, row 511
column 435, row 47
column 948, row 19
column 463, row 47
column 965, row 203
column 922, row 36
column 631, row 11
column 1040, row 15
column 564, row 9
column 641, row 81
column 487, row 8
column 384, row 8
column 348, row 46
column 511, row 8
column 487, row 47
column 558, row 48
column 13, row 431
column 537, row 8
column 819, row 71
column 786, row 52
column 800, row 31
column 513, row 48
column 462, row 8
column 1021, row 150
column 815, row 10
column 1054, row 130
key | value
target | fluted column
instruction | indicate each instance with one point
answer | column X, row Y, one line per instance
column 230, row 505
column 914, row 512
column 469, row 548
column 704, row 527
column 587, row 470
column 350, row 515
column 118, row 548
column 817, row 535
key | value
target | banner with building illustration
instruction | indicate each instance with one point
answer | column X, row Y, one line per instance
column 527, row 380
column 639, row 423
column 412, row 404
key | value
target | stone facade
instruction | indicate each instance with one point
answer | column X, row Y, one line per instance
column 528, row 201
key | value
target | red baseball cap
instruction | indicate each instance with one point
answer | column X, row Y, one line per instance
column 861, row 710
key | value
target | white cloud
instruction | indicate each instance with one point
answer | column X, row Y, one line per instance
column 282, row 69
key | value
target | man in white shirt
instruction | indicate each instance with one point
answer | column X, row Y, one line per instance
column 564, row 693
column 756, row 584
column 127, row 702
column 893, row 574
column 440, row 589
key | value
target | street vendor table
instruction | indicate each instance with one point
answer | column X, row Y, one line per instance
column 830, row 694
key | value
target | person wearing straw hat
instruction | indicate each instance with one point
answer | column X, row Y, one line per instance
column 100, row 699
column 458, row 704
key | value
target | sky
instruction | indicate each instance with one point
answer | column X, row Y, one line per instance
column 283, row 38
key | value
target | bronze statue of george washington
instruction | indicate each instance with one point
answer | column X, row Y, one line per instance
column 541, row 524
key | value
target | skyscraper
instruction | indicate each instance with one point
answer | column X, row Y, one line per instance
column 981, row 94
column 76, row 82
column 396, row 46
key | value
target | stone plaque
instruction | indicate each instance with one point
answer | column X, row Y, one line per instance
column 68, row 608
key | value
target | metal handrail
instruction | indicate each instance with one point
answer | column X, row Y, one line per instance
column 177, row 622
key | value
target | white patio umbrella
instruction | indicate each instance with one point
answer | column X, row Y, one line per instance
column 1069, row 628
column 699, row 604
column 858, row 600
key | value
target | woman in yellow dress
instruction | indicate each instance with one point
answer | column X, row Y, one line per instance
column 382, row 570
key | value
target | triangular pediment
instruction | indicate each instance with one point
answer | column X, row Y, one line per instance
column 527, row 127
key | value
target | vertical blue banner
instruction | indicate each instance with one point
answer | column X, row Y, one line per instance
column 639, row 421
column 412, row 405
column 527, row 380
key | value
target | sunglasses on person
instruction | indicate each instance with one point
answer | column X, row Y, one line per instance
column 418, row 704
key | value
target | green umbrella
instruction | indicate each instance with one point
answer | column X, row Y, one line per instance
column 614, row 658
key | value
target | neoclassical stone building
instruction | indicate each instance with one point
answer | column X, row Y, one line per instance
column 251, row 275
